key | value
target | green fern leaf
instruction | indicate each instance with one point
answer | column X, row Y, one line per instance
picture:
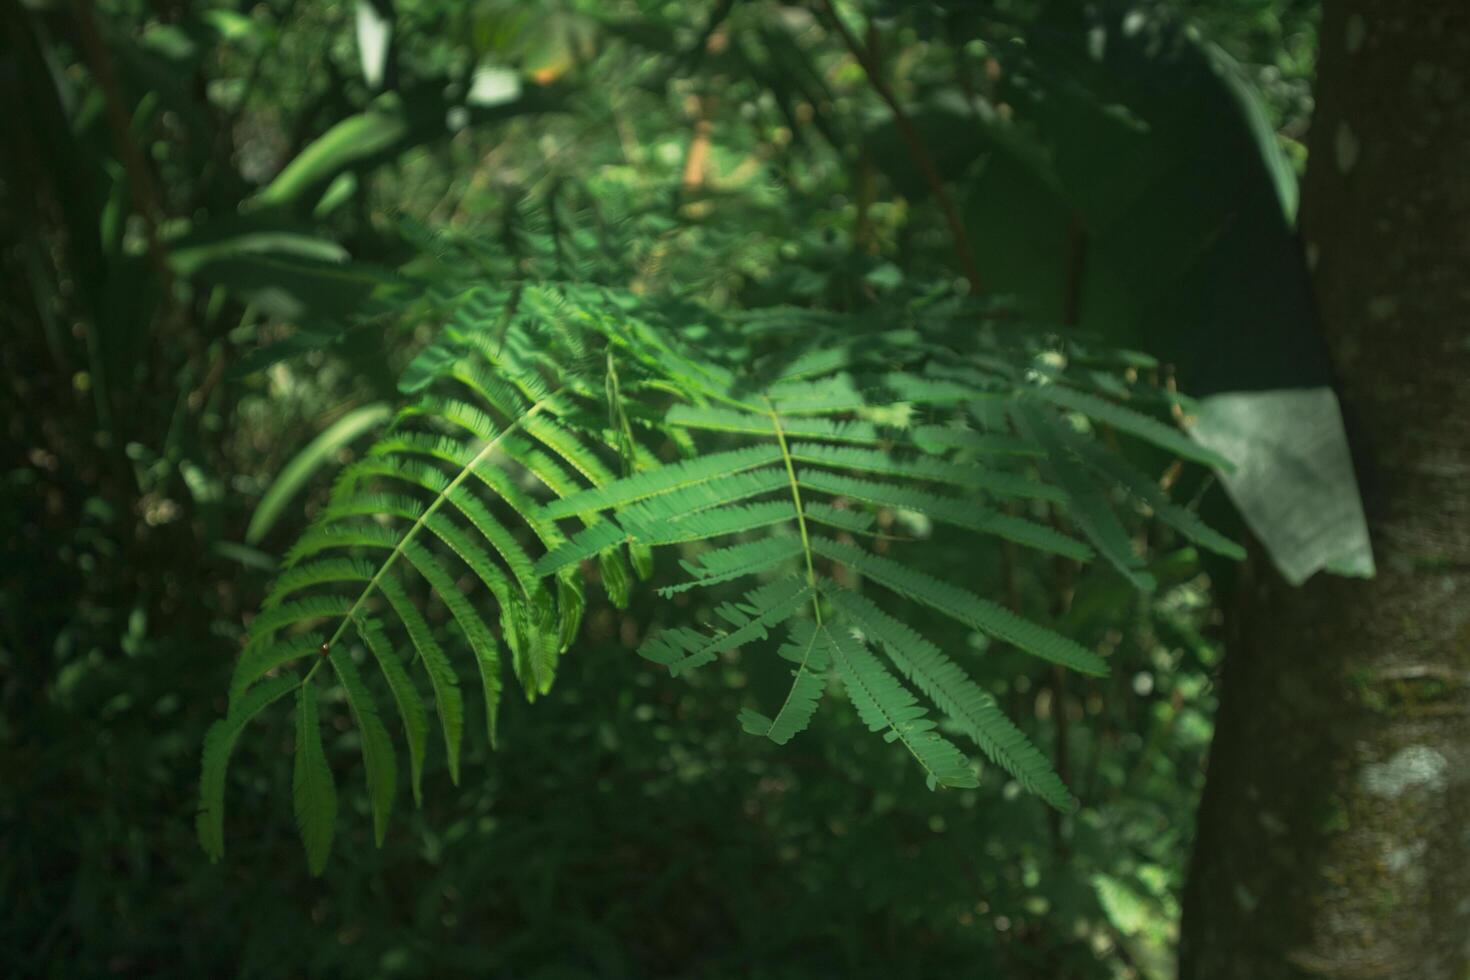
column 763, row 609
column 736, row 561
column 262, row 656
column 925, row 391
column 748, row 423
column 309, row 609
column 527, row 410
column 844, row 519
column 832, row 395
column 924, row 468
column 1181, row 519
column 219, row 742
column 886, row 706
column 324, row 537
column 447, row 700
column 808, row 650
column 650, row 527
column 1132, row 422
column 947, row 510
column 665, row 479
column 584, row 544
column 320, row 572
column 411, row 710
column 377, row 748
column 940, row 438
column 966, row 607
column 1086, row 505
column 960, row 698
column 312, row 787
column 481, row 640
column 613, row 572
column 373, row 505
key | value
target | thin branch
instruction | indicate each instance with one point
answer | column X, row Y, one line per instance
column 917, row 150
column 806, row 541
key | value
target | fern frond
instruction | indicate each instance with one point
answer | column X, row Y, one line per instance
column 924, row 468
column 324, row 537
column 313, row 790
column 886, row 706
column 939, row 438
column 965, row 607
column 481, row 640
column 762, row 610
column 411, row 710
column 442, row 678
column 856, row 521
column 750, row 423
column 1113, row 467
column 737, row 561
column 594, row 540
column 1134, row 423
column 305, row 576
column 913, row 388
column 722, row 490
column 651, row 527
column 1087, row 506
column 811, row 659
column 374, row 505
column 378, row 759
column 310, row 609
column 960, row 698
column 260, row 658
column 219, row 743
column 832, row 395
column 947, row 510
column 664, row 480
column 516, row 460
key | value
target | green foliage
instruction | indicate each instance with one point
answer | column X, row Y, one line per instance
column 176, row 411
column 314, row 792
column 522, row 414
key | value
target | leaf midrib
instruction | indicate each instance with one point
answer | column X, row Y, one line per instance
column 420, row 523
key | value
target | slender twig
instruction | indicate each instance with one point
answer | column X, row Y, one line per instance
column 917, row 150
column 806, row 541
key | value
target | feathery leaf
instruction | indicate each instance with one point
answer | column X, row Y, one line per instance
column 377, row 748
column 1087, row 506
column 219, row 742
column 1132, row 422
column 966, row 607
column 969, row 706
column 762, row 610
column 947, row 510
column 411, row 710
column 811, row 659
column 886, row 706
column 313, row 790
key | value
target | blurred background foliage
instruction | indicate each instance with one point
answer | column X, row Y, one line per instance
column 207, row 209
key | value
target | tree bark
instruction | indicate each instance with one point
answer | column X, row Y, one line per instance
column 1334, row 833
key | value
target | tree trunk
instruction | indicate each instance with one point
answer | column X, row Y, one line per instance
column 1334, row 834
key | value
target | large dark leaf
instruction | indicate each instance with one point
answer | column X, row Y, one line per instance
column 1140, row 178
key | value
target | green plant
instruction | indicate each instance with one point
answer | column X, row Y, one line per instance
column 556, row 432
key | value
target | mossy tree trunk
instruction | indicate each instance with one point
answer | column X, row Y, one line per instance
column 1334, row 834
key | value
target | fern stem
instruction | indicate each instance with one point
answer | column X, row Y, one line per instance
column 418, row 525
column 806, row 543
